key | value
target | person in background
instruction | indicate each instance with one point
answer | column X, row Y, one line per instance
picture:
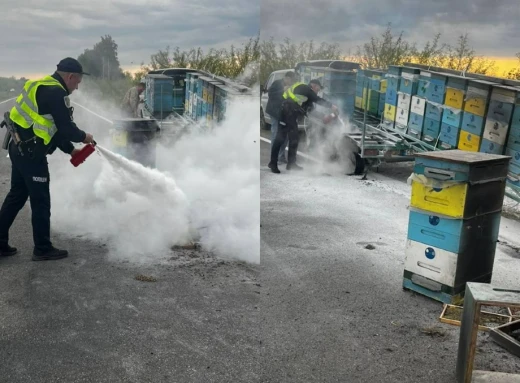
column 130, row 105
column 42, row 117
column 274, row 107
column 298, row 100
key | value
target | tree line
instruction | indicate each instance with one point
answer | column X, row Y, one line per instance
column 257, row 57
column 253, row 61
column 381, row 51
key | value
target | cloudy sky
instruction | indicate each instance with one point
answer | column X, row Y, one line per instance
column 36, row 34
column 53, row 29
column 492, row 25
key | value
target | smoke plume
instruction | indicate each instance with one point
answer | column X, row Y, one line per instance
column 206, row 187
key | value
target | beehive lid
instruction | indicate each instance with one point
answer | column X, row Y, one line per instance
column 463, row 156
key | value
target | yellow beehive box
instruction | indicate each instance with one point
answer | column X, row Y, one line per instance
column 469, row 141
column 390, row 111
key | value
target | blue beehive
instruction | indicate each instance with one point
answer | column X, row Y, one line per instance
column 515, row 121
column 445, row 251
column 490, row 147
column 431, row 130
column 340, row 87
column 394, row 70
column 391, row 93
column 500, row 111
column 452, row 117
column 513, row 141
column 433, row 112
column 449, row 136
column 424, row 84
column 415, row 125
column 409, row 80
column 472, row 123
column 200, row 87
column 515, row 156
column 381, row 107
column 436, row 88
column 159, row 93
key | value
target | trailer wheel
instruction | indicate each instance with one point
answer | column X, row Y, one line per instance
column 360, row 165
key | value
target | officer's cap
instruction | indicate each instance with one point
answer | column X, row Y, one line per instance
column 71, row 65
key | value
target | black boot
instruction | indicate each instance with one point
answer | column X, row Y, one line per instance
column 7, row 251
column 293, row 167
column 49, row 255
column 274, row 168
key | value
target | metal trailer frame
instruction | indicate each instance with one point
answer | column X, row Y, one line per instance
column 377, row 143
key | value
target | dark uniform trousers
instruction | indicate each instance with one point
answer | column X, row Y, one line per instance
column 287, row 128
column 29, row 179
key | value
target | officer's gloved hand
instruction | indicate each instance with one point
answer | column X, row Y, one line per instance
column 74, row 152
column 89, row 139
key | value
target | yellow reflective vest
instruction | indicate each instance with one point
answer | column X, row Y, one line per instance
column 297, row 98
column 25, row 112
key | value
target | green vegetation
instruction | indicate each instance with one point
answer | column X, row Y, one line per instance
column 107, row 81
column 515, row 73
column 257, row 58
column 239, row 63
column 389, row 49
column 380, row 51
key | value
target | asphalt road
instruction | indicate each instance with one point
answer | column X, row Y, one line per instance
column 333, row 310
column 321, row 308
column 88, row 319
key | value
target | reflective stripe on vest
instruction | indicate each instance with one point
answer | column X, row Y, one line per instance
column 297, row 98
column 25, row 112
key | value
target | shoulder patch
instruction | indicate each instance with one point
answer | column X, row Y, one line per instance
column 67, row 101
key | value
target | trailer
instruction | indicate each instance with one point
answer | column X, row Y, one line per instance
column 415, row 108
column 176, row 101
column 180, row 99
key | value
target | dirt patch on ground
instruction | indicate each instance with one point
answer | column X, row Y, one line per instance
column 145, row 278
column 191, row 255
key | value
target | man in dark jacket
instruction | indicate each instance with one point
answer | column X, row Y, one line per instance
column 42, row 117
column 298, row 100
column 274, row 107
column 131, row 101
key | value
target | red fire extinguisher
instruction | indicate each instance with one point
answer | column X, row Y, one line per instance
column 82, row 155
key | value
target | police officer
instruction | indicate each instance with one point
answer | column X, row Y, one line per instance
column 298, row 99
column 43, row 119
column 274, row 108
